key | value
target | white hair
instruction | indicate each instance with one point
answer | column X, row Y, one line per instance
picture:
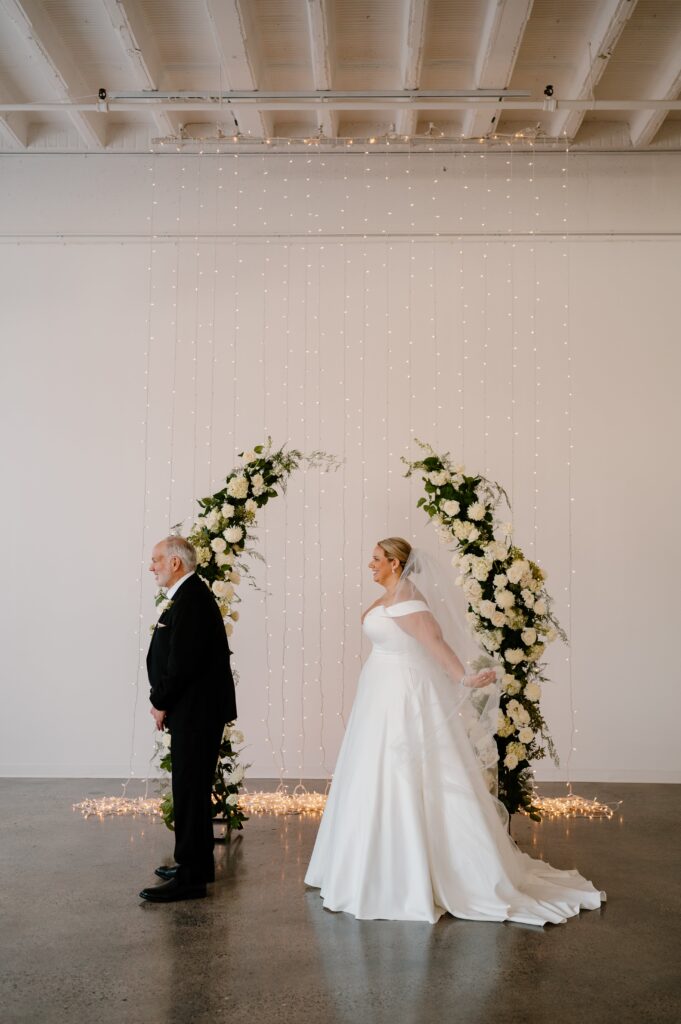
column 180, row 548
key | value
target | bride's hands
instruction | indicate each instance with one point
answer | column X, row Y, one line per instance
column 483, row 678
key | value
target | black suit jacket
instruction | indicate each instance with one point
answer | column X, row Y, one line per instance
column 188, row 660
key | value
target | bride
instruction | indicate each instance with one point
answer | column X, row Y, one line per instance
column 411, row 829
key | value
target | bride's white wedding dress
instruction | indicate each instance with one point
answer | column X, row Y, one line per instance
column 410, row 830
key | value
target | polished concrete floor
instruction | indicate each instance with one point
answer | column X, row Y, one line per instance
column 76, row 943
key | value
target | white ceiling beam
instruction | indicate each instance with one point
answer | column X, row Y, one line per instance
column 13, row 127
column 321, row 55
column 415, row 18
column 237, row 44
column 645, row 125
column 49, row 52
column 612, row 16
column 141, row 51
column 502, row 35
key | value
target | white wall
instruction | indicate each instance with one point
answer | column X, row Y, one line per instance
column 310, row 292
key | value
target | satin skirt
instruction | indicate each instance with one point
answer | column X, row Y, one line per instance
column 410, row 830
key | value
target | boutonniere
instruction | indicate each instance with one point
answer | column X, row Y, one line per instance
column 163, row 603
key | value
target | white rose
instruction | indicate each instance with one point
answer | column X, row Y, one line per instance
column 218, row 544
column 232, row 800
column 476, row 510
column 487, row 608
column 439, row 478
column 199, row 522
column 451, row 508
column 251, row 506
column 165, row 740
column 533, row 691
column 221, row 560
column 257, row 484
column 472, row 588
column 227, row 510
column 249, row 456
column 522, row 716
column 234, row 615
column 223, row 590
column 495, row 550
column 473, row 533
column 498, row 619
column 233, row 534
column 237, row 487
column 213, row 519
column 472, row 619
column 505, row 599
column 517, row 570
column 511, row 685
column 540, row 606
column 528, row 598
column 529, row 636
column 500, row 580
column 511, row 761
column 514, row 656
column 482, row 569
column 525, row 735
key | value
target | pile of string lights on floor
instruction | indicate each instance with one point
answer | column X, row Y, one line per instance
column 279, row 802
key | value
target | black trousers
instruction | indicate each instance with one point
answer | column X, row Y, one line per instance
column 194, row 749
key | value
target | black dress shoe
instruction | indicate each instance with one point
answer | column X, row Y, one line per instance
column 166, row 872
column 171, row 872
column 172, row 891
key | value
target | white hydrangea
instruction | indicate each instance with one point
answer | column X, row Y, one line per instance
column 439, row 478
column 233, row 534
column 199, row 522
column 257, row 484
column 476, row 511
column 504, row 599
column 506, row 726
column 528, row 598
column 492, row 640
column 535, row 653
column 517, row 570
column 533, row 691
column 526, row 735
column 500, row 580
column 518, row 750
column 203, row 555
column 514, row 656
column 529, row 636
column 238, row 487
column 218, row 544
column 450, row 508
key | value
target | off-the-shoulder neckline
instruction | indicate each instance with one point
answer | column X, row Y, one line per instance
column 413, row 600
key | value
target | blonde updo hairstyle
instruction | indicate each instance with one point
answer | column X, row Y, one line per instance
column 396, row 547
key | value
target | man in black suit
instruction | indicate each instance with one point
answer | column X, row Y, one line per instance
column 192, row 695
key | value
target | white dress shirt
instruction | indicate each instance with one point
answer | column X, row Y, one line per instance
column 170, row 594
